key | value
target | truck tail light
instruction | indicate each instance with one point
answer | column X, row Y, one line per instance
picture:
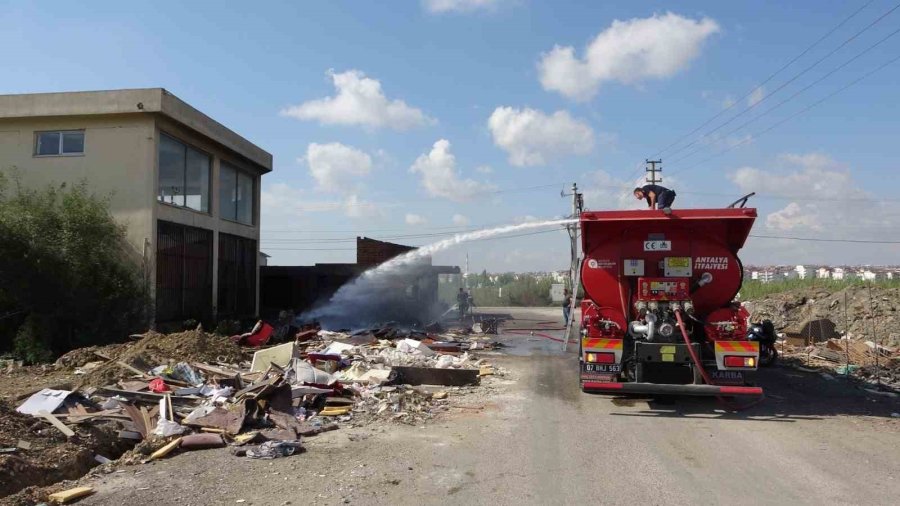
column 733, row 361
column 601, row 358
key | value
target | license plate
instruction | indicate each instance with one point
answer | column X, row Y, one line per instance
column 602, row 368
column 732, row 377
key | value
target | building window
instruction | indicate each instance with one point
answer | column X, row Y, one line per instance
column 60, row 143
column 235, row 195
column 237, row 276
column 183, row 175
column 183, row 273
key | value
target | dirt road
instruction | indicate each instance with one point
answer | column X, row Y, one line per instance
column 534, row 438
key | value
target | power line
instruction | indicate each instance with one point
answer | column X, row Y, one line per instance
column 806, row 88
column 763, row 83
column 785, row 120
column 816, row 239
column 332, row 206
column 789, row 81
column 472, row 240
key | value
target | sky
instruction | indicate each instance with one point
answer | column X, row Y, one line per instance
column 411, row 120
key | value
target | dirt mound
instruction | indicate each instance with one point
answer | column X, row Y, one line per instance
column 50, row 456
column 874, row 317
column 155, row 349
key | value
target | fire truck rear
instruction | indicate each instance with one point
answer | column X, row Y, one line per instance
column 659, row 314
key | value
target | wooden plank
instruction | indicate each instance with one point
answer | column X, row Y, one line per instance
column 148, row 397
column 70, row 495
column 56, row 423
column 165, row 450
column 145, row 416
column 218, row 371
column 127, row 367
column 432, row 376
column 136, row 417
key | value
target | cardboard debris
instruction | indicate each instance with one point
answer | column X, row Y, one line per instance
column 48, row 400
column 280, row 355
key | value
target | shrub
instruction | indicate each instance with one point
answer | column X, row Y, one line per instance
column 66, row 275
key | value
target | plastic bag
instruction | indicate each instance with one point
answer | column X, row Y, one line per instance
column 168, row 428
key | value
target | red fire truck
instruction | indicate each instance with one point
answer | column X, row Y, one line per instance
column 659, row 314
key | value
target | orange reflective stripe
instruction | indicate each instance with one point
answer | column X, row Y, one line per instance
column 741, row 346
column 602, row 343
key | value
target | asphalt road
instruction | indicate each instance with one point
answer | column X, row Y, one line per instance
column 533, row 437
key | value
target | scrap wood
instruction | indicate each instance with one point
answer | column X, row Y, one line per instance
column 229, row 420
column 137, row 418
column 134, row 370
column 826, row 354
column 148, row 397
column 70, row 495
column 56, row 423
column 165, row 450
column 218, row 371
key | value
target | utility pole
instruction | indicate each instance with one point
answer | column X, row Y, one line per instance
column 575, row 261
column 652, row 169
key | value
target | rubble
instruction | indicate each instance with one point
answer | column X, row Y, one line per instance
column 854, row 330
column 167, row 393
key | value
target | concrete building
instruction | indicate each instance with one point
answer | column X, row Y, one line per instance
column 185, row 187
column 823, row 273
column 801, row 271
column 837, row 273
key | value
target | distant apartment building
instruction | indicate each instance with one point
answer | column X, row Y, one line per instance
column 185, row 187
column 800, row 271
column 823, row 273
column 837, row 273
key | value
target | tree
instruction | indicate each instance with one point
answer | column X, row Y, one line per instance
column 66, row 279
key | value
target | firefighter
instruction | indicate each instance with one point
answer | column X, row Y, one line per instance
column 657, row 196
column 462, row 302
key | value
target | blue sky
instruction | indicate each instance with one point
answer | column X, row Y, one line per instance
column 455, row 114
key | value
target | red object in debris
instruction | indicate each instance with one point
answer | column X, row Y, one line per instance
column 260, row 337
column 158, row 386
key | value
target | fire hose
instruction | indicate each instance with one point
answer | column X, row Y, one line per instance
column 703, row 373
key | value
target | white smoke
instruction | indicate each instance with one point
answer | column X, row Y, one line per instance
column 388, row 292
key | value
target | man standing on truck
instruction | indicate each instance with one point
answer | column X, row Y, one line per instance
column 657, row 196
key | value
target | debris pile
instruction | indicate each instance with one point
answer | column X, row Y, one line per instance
column 168, row 393
column 871, row 313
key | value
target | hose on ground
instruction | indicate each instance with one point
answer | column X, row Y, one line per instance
column 730, row 405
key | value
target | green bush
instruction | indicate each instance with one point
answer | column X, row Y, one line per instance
column 66, row 277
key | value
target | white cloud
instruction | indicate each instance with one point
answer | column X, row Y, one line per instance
column 818, row 176
column 628, row 52
column 439, row 175
column 337, row 167
column 823, row 201
column 355, row 207
column 282, row 204
column 756, row 96
column 603, row 191
column 531, row 137
column 359, row 101
column 794, row 216
column 415, row 219
column 444, row 6
column 728, row 102
column 484, row 169
column 460, row 220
